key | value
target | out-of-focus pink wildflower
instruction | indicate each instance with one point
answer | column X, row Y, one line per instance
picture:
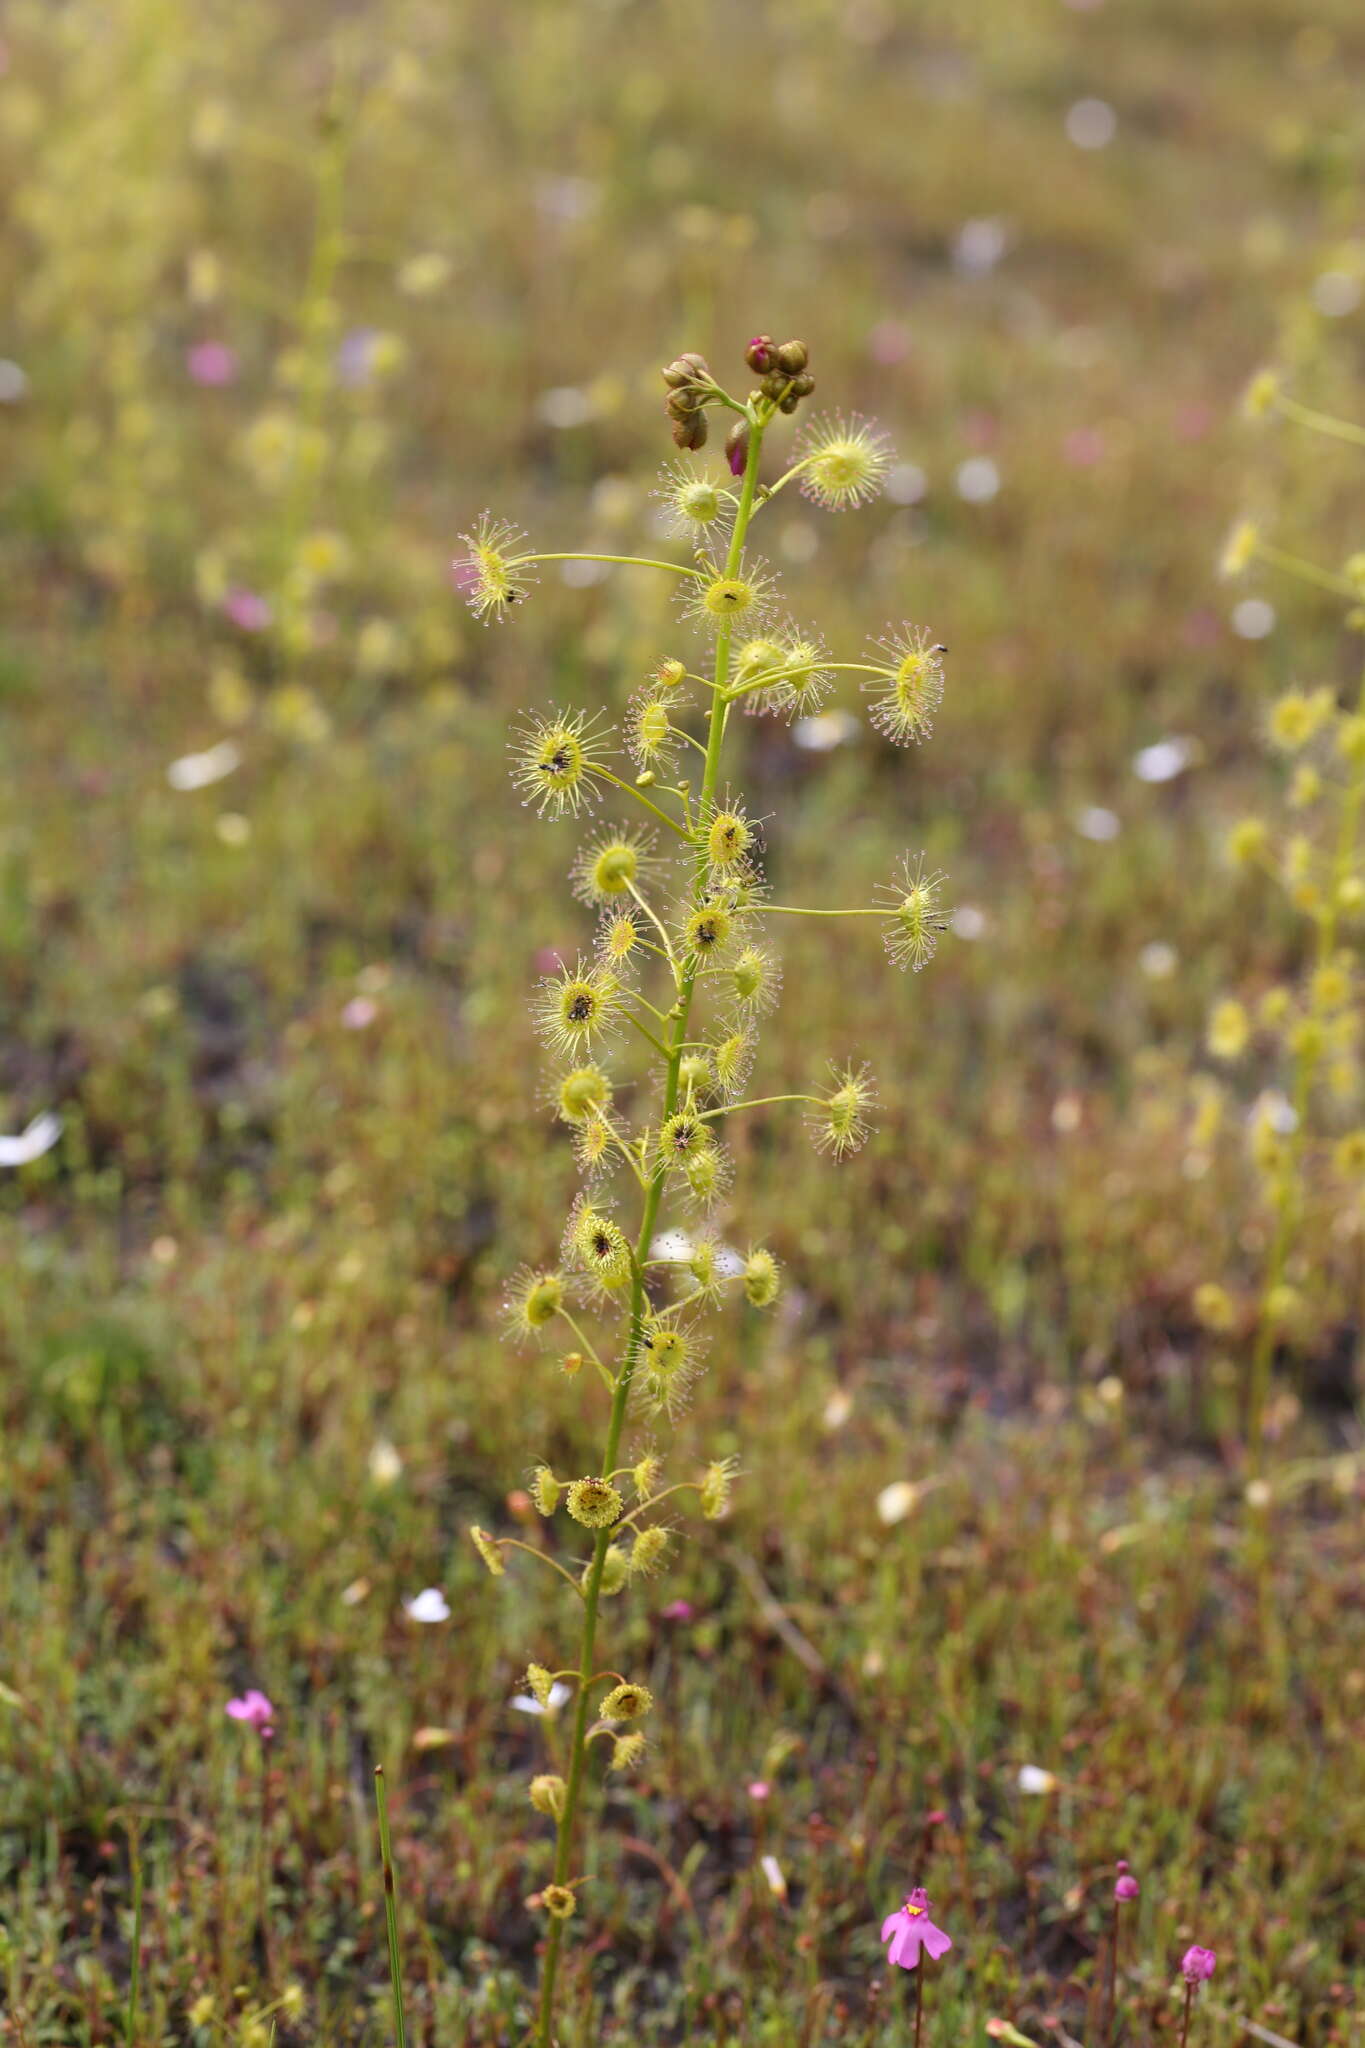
column 911, row 1930
column 256, row 1711
column 248, row 609
column 1197, row 1964
column 759, row 1789
column 1126, row 1885
column 679, row 1610
column 211, row 363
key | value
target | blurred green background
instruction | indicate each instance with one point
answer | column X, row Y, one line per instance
column 287, row 295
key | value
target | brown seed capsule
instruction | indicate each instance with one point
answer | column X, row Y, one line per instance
column 774, row 384
column 803, row 385
column 792, row 357
column 789, row 403
column 698, row 365
column 677, row 374
column 681, row 404
column 690, row 432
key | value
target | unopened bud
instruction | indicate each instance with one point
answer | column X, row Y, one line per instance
column 792, row 357
column 737, row 447
column 759, row 354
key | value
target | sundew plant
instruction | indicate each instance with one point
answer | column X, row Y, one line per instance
column 683, row 972
column 1307, row 1137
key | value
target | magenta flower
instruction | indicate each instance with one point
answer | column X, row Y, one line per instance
column 255, row 1709
column 248, row 609
column 678, row 1610
column 911, row 1930
column 211, row 363
column 1126, row 1885
column 1197, row 1964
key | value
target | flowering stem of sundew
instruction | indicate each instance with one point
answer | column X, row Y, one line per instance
column 653, row 1196
column 1320, row 422
column 919, row 2000
column 629, row 561
column 515, row 1543
column 1307, row 572
column 616, row 782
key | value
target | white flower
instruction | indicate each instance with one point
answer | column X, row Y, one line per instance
column 1034, row 1779
column 559, row 1692
column 1095, row 822
column 896, row 1501
column 385, row 1468
column 430, row 1605
column 39, row 1137
column 1163, row 761
column 197, row 771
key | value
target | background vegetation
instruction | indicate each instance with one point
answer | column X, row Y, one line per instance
column 252, row 1387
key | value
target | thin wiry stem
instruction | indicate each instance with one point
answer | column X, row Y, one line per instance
column 618, row 782
column 1320, row 422
column 515, row 1543
column 630, row 561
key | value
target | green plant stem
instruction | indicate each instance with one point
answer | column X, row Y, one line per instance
column 1320, row 422
column 800, row 910
column 1307, row 572
column 390, row 1908
column 629, row 561
column 653, row 1196
column 329, row 244
column 135, row 1971
column 640, row 798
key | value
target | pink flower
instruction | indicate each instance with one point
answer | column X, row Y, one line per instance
column 1126, row 1885
column 758, row 1788
column 679, row 1610
column 211, row 363
column 247, row 609
column 911, row 1929
column 1197, row 1964
column 255, row 1709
